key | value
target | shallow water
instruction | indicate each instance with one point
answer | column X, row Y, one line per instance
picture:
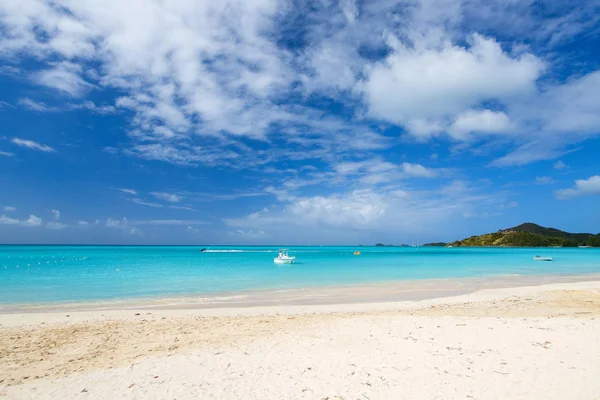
column 38, row 274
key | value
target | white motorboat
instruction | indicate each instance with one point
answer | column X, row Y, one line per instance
column 284, row 257
column 540, row 258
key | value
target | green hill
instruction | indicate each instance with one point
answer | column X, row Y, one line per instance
column 530, row 235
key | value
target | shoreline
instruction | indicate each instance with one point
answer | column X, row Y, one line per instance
column 390, row 291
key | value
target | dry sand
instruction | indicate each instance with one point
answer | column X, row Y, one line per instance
column 538, row 342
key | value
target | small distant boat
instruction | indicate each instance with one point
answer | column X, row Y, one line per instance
column 540, row 258
column 284, row 257
column 203, row 249
column 357, row 253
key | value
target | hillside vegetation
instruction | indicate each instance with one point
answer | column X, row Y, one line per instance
column 530, row 235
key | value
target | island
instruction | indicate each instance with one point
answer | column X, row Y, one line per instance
column 530, row 235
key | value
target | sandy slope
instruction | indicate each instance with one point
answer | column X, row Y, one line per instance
column 531, row 342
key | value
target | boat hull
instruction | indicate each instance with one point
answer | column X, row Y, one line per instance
column 284, row 260
column 542, row 258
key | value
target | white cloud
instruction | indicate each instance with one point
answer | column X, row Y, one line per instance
column 171, row 222
column 559, row 165
column 353, row 214
column 212, row 75
column 64, row 76
column 417, row 170
column 6, row 154
column 170, row 197
column 85, row 105
column 376, row 170
column 10, row 208
column 36, row 106
column 146, row 203
column 225, row 72
column 249, row 235
column 32, row 221
column 510, row 204
column 123, row 225
column 186, row 208
column 4, row 220
column 83, row 223
column 583, row 187
column 544, row 180
column 534, row 150
column 191, row 229
column 430, row 84
column 116, row 223
column 56, row 225
column 56, row 214
column 30, row 144
column 479, row 121
column 128, row 191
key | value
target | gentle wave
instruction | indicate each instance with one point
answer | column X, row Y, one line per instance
column 240, row 251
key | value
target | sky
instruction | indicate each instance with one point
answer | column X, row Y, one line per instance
column 296, row 122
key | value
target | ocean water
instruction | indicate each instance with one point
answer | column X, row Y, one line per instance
column 40, row 274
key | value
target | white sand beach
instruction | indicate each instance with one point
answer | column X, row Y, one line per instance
column 532, row 342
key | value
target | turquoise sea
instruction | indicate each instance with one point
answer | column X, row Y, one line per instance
column 39, row 274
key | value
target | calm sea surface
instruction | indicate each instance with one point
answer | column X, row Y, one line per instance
column 38, row 274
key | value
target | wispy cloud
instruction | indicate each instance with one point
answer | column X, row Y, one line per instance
column 64, row 76
column 56, row 225
column 42, row 107
column 56, row 214
column 146, row 203
column 10, row 208
column 6, row 154
column 170, row 197
column 171, row 222
column 124, row 225
column 186, row 208
column 30, row 144
column 544, row 180
column 128, row 191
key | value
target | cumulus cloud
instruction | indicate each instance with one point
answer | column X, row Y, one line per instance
column 427, row 86
column 56, row 214
column 582, row 187
column 353, row 214
column 30, row 144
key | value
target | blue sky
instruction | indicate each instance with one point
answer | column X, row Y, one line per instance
column 296, row 122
